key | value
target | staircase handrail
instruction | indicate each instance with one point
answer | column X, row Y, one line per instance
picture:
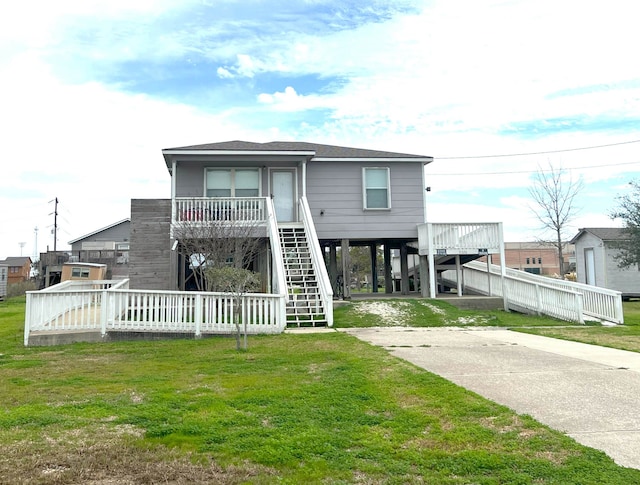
column 276, row 251
column 324, row 283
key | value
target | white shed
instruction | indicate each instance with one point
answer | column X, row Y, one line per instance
column 596, row 264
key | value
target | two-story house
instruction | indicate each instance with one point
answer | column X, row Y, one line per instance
column 310, row 200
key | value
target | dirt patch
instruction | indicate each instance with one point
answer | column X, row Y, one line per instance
column 391, row 313
column 112, row 456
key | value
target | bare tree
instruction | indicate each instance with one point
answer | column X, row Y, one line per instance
column 221, row 251
column 554, row 192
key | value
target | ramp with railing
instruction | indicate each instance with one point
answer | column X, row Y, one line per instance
column 530, row 293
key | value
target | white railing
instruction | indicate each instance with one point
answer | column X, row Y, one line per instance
column 324, row 283
column 216, row 209
column 279, row 278
column 524, row 296
column 459, row 238
column 120, row 309
column 595, row 302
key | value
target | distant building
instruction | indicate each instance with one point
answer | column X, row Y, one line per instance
column 107, row 246
column 18, row 269
column 84, row 271
column 537, row 258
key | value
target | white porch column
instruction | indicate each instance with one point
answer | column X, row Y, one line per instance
column 424, row 276
column 173, row 191
column 489, row 274
column 432, row 263
column 304, row 177
column 503, row 269
column 459, row 274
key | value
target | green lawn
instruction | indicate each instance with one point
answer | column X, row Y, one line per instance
column 311, row 408
column 625, row 337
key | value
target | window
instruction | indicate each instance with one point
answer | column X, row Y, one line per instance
column 79, row 273
column 233, row 182
column 539, row 260
column 376, row 191
column 528, row 260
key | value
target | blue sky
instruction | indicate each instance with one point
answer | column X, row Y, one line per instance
column 93, row 90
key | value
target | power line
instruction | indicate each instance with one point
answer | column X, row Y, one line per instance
column 513, row 172
column 540, row 153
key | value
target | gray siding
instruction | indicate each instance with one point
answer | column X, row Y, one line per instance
column 607, row 272
column 626, row 280
column 119, row 233
column 150, row 253
column 190, row 175
column 335, row 188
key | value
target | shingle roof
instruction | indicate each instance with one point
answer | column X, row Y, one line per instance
column 604, row 233
column 100, row 230
column 321, row 151
column 16, row 261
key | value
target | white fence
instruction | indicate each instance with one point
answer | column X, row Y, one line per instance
column 562, row 299
column 116, row 308
column 216, row 209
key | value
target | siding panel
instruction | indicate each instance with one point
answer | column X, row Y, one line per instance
column 150, row 247
column 336, row 189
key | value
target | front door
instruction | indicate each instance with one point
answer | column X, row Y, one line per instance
column 283, row 191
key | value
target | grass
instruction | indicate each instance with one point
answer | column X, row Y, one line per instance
column 625, row 337
column 428, row 313
column 310, row 408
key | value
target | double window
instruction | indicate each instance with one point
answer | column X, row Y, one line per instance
column 79, row 272
column 233, row 182
column 376, row 188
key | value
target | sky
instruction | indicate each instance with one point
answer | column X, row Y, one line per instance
column 92, row 91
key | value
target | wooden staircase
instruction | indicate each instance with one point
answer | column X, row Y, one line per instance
column 305, row 307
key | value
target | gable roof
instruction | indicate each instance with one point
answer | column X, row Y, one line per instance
column 100, row 230
column 16, row 261
column 313, row 151
column 604, row 233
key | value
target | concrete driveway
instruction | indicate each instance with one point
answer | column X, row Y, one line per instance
column 591, row 393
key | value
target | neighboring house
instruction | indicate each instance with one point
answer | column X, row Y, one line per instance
column 311, row 200
column 596, row 251
column 4, row 270
column 84, row 271
column 19, row 269
column 107, row 246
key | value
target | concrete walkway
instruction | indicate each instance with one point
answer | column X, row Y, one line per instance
column 591, row 393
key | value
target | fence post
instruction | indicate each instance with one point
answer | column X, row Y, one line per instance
column 538, row 300
column 27, row 319
column 580, row 305
column 198, row 314
column 103, row 312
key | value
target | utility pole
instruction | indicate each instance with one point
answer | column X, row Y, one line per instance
column 35, row 247
column 55, row 224
column 21, row 244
